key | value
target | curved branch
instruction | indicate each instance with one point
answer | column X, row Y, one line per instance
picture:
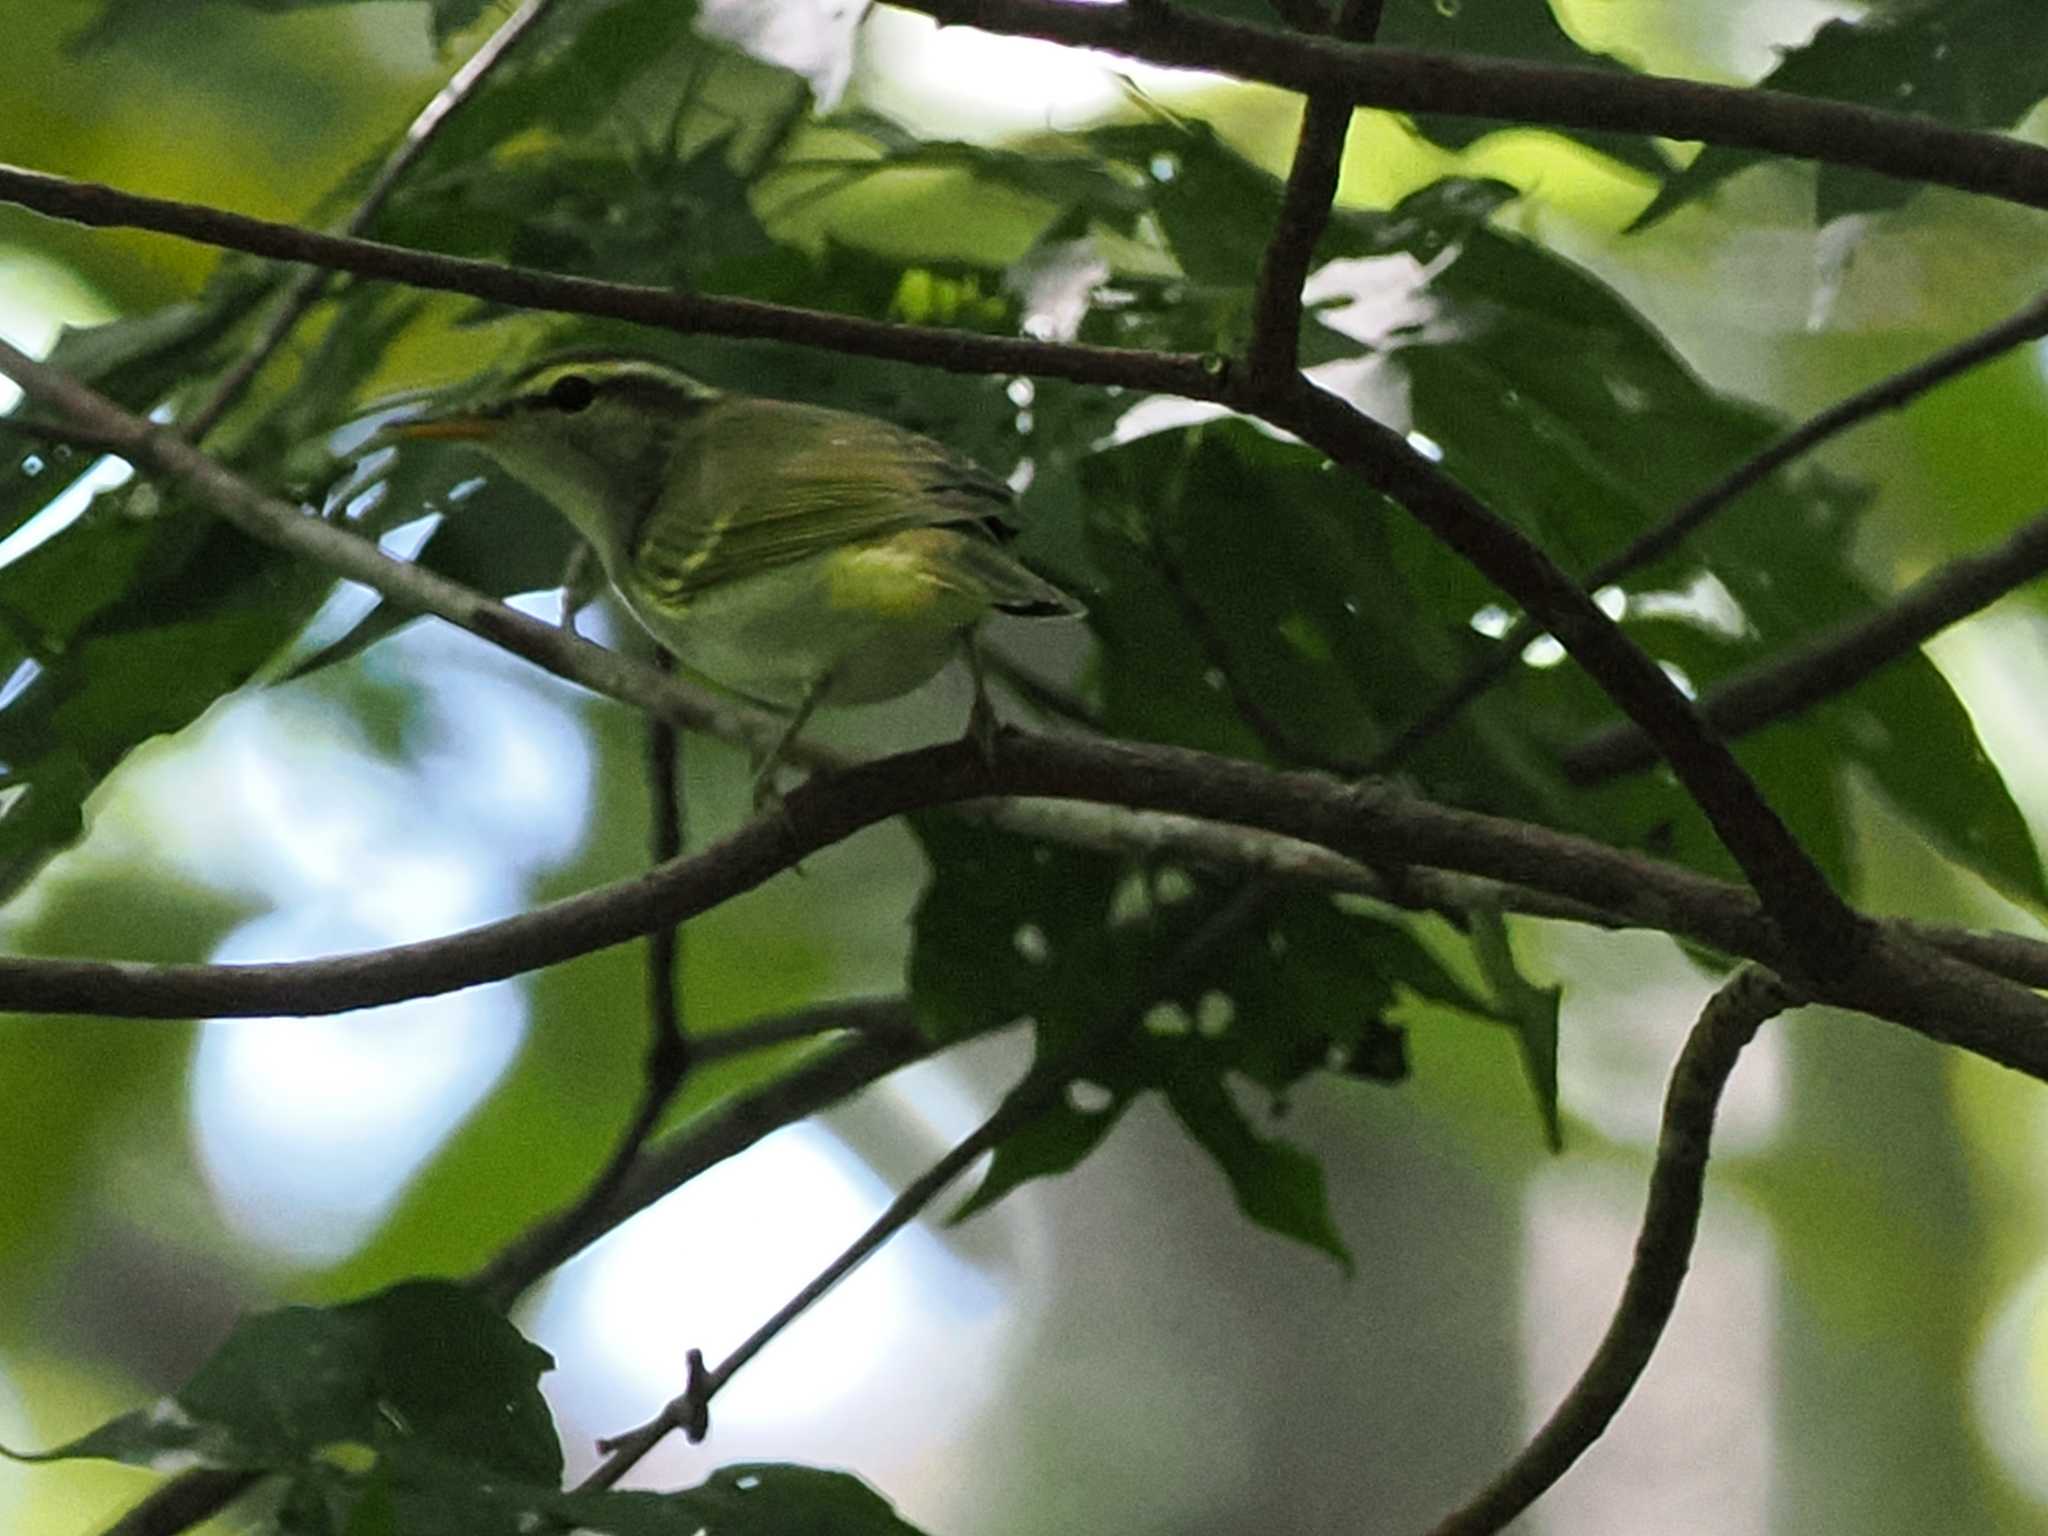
column 1543, row 96
column 1900, row 976
column 1836, row 660
column 1663, row 1252
column 1888, row 394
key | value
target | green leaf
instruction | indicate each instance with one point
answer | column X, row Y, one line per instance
column 1971, row 63
column 1104, row 957
column 426, row 1497
column 1529, row 1009
column 1057, row 1141
column 1277, row 1186
column 424, row 1363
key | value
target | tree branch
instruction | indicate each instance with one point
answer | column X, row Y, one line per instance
column 1893, row 977
column 1900, row 977
column 1663, row 1253
column 1304, row 212
column 956, row 351
column 1824, row 935
column 1836, row 660
column 1887, row 394
column 689, row 1411
column 1468, row 85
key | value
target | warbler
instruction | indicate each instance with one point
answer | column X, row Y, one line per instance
column 795, row 553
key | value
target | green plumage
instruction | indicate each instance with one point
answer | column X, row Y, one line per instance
column 789, row 551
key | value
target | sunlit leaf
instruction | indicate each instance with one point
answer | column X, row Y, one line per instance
column 1971, row 63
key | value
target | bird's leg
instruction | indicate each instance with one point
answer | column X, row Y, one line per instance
column 581, row 579
column 981, row 719
column 765, row 793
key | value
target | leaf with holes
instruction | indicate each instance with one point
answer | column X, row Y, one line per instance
column 1142, row 980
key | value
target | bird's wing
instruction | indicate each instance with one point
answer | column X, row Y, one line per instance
column 760, row 483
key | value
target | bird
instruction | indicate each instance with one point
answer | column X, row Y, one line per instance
column 797, row 554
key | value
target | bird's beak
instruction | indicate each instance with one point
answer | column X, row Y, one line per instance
column 447, row 429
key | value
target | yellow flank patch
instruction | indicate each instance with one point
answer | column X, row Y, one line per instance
column 899, row 578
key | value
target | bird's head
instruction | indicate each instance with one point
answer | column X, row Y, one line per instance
column 604, row 408
column 591, row 432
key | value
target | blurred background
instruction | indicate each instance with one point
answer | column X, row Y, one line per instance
column 1860, row 1347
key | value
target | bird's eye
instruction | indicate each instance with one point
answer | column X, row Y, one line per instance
column 571, row 393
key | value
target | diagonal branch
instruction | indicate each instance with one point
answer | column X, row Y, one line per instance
column 1832, row 662
column 886, row 1037
column 1824, row 935
column 1887, row 394
column 688, row 1412
column 1663, row 1251
column 1173, row 373
column 409, row 586
column 1893, row 144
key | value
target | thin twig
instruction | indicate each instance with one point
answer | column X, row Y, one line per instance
column 1891, row 393
column 1895, row 144
column 1663, row 1251
column 1304, row 210
column 305, row 289
column 1832, row 662
column 669, row 1052
column 689, row 1411
column 886, row 1037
